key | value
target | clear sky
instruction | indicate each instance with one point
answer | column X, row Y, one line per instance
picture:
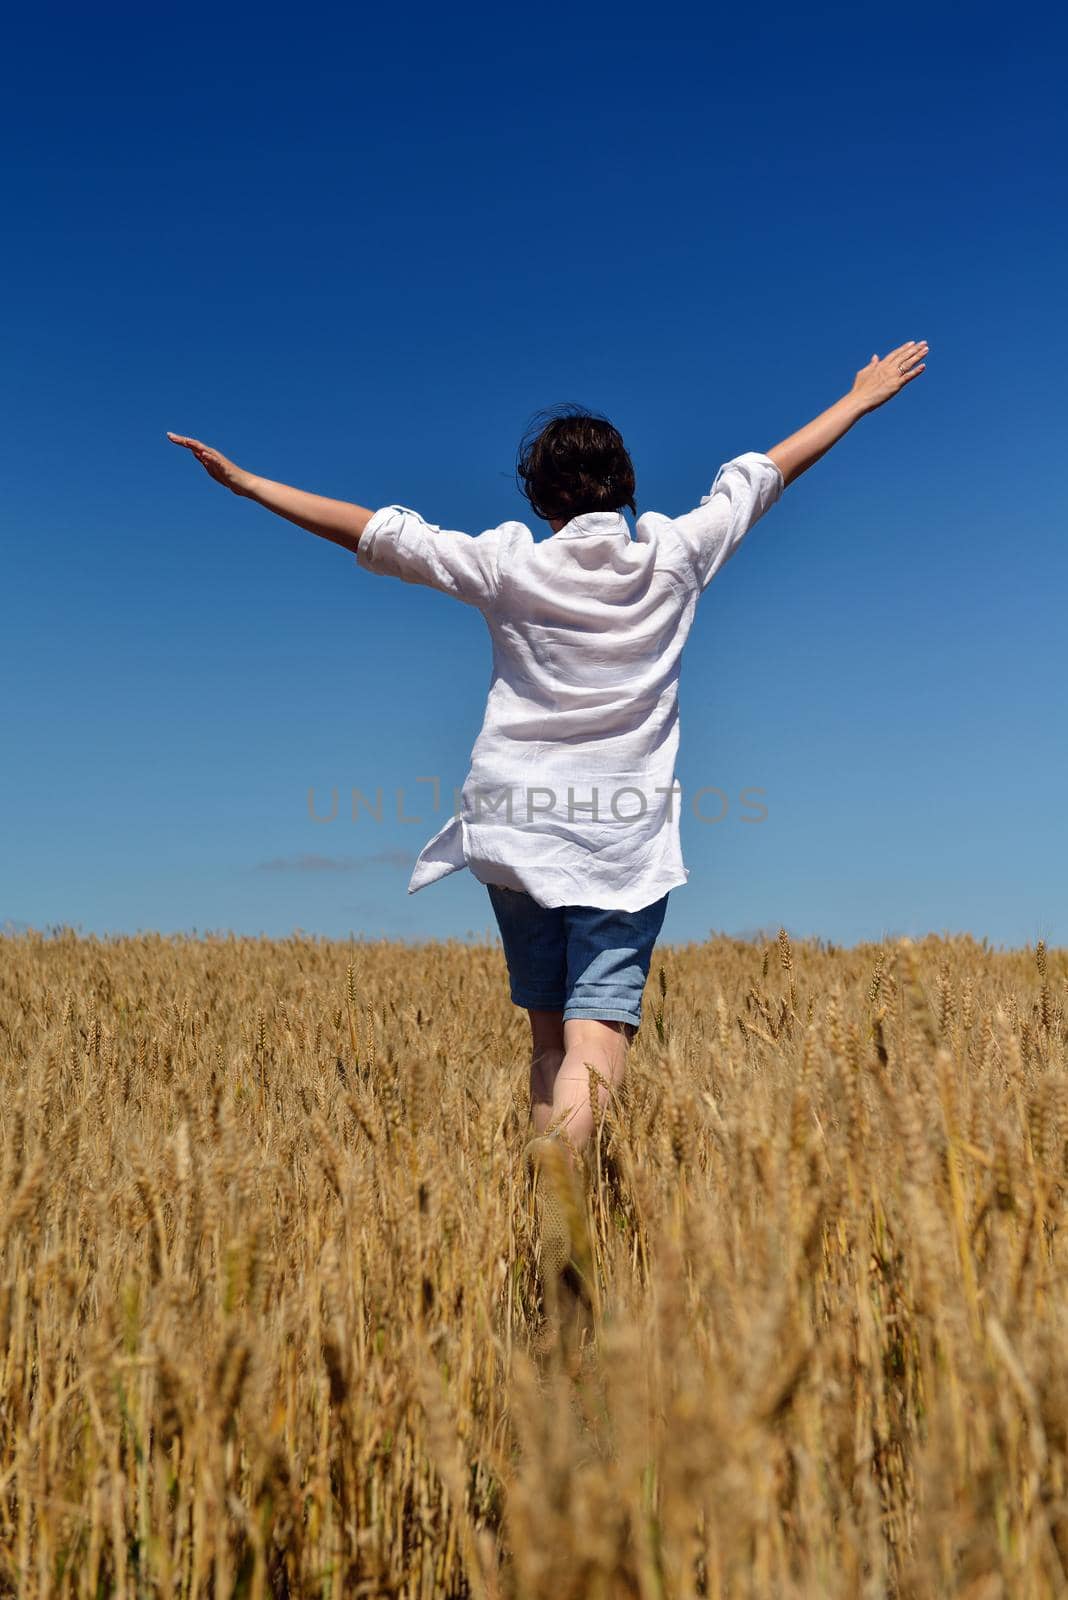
column 355, row 249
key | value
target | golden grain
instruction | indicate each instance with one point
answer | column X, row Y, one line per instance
column 269, row 1308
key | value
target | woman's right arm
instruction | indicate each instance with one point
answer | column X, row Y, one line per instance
column 340, row 521
column 876, row 383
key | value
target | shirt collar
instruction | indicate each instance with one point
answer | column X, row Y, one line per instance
column 594, row 522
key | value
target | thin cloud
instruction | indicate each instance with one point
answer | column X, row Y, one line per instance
column 315, row 863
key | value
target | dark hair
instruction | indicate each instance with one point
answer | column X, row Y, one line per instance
column 572, row 460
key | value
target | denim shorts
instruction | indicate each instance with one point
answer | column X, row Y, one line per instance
column 581, row 960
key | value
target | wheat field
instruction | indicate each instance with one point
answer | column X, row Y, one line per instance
column 268, row 1297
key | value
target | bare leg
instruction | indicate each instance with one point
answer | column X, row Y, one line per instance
column 547, row 1052
column 604, row 1046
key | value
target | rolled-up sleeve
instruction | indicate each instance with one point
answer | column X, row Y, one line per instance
column 743, row 490
column 398, row 543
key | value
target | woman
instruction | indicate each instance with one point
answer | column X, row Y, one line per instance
column 569, row 814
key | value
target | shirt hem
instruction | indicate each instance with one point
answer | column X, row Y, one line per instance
column 600, row 900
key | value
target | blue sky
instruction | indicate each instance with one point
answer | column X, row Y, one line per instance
column 357, row 254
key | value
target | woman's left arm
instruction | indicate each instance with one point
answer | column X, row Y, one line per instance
column 340, row 521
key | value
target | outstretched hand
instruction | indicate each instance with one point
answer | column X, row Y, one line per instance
column 879, row 381
column 215, row 464
column 873, row 386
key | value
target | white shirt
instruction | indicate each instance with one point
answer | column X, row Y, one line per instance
column 571, row 793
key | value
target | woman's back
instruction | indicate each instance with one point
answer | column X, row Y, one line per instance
column 571, row 793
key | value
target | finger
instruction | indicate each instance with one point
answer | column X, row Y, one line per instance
column 902, row 349
column 905, row 349
column 907, row 377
